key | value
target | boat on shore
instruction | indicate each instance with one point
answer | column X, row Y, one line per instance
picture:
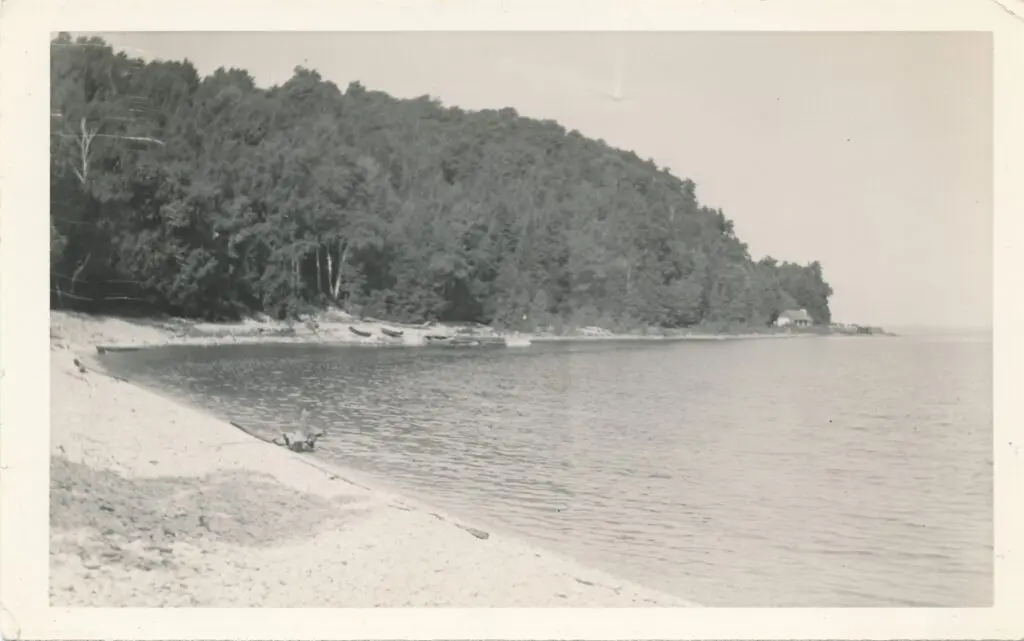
column 359, row 332
column 467, row 341
column 103, row 349
column 391, row 333
column 472, row 341
column 490, row 341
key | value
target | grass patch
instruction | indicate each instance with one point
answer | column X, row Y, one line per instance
column 138, row 520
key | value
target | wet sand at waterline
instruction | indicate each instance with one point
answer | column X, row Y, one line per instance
column 157, row 504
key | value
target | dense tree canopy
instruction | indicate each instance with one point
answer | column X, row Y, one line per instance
column 211, row 197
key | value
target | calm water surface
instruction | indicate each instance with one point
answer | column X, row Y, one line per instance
column 812, row 472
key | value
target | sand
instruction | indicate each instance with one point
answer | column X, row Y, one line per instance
column 157, row 504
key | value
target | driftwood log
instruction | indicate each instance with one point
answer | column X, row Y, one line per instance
column 301, row 439
column 298, row 442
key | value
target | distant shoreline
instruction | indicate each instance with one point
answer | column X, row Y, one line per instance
column 90, row 333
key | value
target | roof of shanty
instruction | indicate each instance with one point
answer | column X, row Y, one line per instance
column 796, row 314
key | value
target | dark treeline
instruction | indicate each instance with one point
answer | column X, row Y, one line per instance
column 210, row 197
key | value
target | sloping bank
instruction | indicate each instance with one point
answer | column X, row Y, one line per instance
column 157, row 504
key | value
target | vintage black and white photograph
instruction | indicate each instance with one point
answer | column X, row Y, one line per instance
column 521, row 319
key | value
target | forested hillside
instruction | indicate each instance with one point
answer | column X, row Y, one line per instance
column 211, row 197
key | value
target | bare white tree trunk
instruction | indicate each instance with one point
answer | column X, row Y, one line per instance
column 330, row 270
column 343, row 249
column 319, row 270
column 85, row 139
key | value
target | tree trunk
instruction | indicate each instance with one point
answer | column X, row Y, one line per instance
column 84, row 143
column 78, row 272
column 330, row 270
column 319, row 270
column 343, row 252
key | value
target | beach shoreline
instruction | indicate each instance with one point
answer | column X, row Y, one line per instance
column 154, row 503
column 88, row 333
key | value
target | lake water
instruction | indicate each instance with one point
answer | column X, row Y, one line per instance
column 812, row 472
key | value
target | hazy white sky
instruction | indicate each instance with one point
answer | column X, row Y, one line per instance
column 869, row 152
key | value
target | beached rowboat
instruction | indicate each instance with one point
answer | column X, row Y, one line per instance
column 359, row 332
column 467, row 341
column 103, row 349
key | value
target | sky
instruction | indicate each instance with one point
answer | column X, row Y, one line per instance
column 869, row 152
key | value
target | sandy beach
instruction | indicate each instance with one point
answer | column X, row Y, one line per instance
column 157, row 504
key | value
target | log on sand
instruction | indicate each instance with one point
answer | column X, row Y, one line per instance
column 301, row 439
